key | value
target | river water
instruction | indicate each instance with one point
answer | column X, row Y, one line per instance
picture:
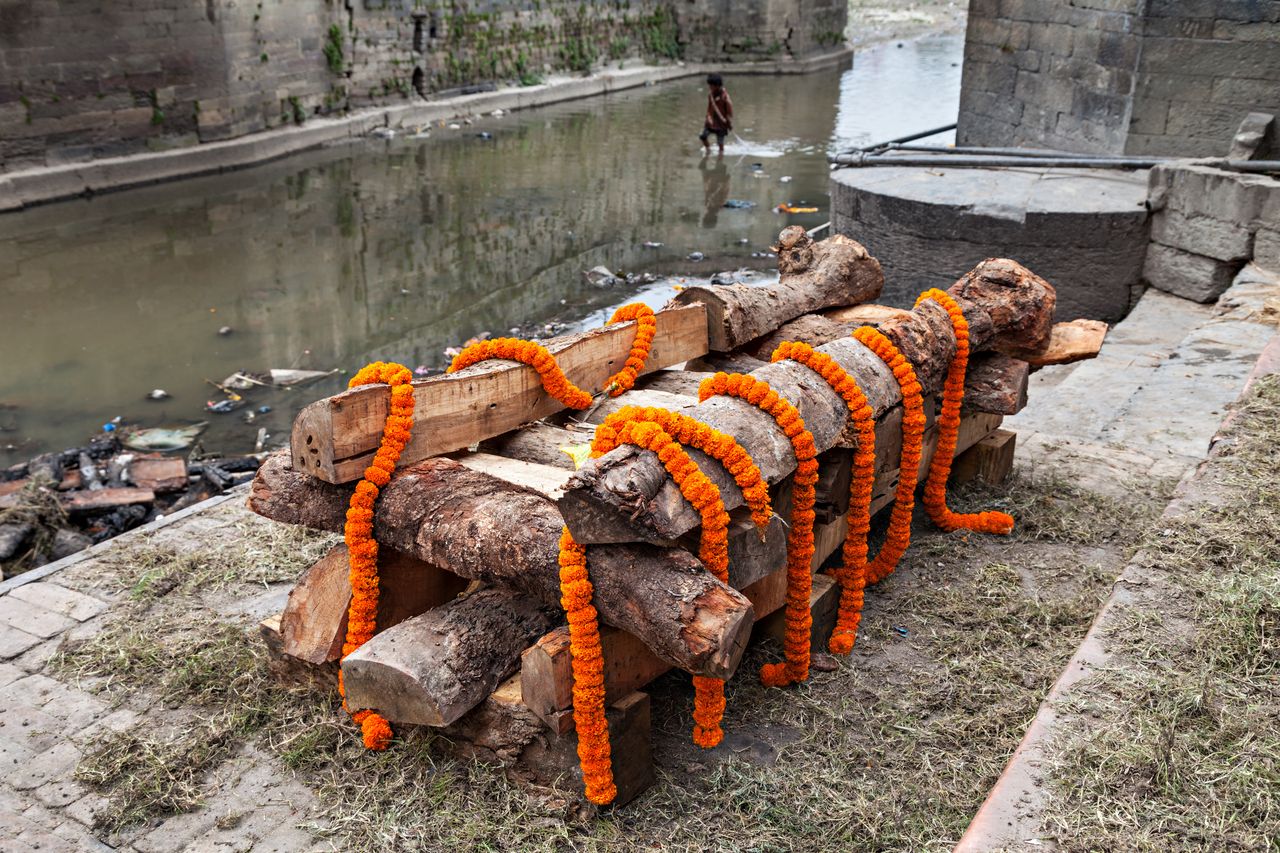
column 396, row 249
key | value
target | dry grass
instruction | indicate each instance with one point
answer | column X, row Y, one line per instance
column 1177, row 745
column 36, row 504
column 894, row 751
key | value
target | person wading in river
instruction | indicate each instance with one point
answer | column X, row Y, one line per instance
column 719, row 118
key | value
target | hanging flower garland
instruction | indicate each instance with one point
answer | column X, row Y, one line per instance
column 646, row 327
column 554, row 382
column 362, row 548
column 587, row 657
column 935, row 487
column 898, row 538
column 630, row 425
column 799, row 619
column 852, row 573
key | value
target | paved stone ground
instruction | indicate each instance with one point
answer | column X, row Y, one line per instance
column 1149, row 405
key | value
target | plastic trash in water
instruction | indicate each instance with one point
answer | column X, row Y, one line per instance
column 262, row 410
column 108, row 427
column 785, row 179
column 739, row 204
column 484, row 134
column 225, row 330
column 220, row 407
column 158, row 394
column 696, row 256
column 787, row 207
column 651, row 244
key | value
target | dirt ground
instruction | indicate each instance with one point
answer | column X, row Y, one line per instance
column 894, row 750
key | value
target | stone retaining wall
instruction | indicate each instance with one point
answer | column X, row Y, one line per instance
column 84, row 80
column 1144, row 77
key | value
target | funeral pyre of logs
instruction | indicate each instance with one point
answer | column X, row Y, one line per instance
column 471, row 635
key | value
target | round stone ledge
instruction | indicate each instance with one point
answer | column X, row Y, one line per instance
column 1085, row 231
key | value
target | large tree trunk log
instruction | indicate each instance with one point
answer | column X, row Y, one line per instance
column 627, row 496
column 433, row 668
column 482, row 528
column 836, row 271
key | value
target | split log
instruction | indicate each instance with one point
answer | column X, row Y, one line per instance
column 813, row 329
column 684, row 382
column 1068, row 342
column 836, row 271
column 482, row 528
column 729, row 362
column 996, row 384
column 865, row 315
column 538, row 442
column 103, row 499
column 313, row 626
column 646, row 397
column 543, row 479
column 433, row 668
column 158, row 473
column 335, row 438
column 627, row 496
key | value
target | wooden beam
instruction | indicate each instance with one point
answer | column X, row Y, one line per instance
column 865, row 315
column 334, row 439
column 1074, row 341
column 990, row 460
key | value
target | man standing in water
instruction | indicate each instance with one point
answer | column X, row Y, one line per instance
column 719, row 118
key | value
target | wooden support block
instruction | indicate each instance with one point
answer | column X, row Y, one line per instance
column 1075, row 341
column 990, row 460
column 503, row 730
column 831, row 493
column 314, row 623
column 159, row 473
column 824, row 605
column 335, row 438
column 546, row 673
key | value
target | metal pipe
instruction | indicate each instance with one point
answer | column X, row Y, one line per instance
column 908, row 138
column 966, row 161
column 1006, row 152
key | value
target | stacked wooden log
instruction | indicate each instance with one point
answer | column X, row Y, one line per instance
column 471, row 636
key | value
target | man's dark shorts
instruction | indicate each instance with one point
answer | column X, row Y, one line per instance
column 707, row 130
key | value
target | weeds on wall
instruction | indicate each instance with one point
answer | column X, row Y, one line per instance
column 333, row 54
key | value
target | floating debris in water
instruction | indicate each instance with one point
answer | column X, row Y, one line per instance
column 785, row 179
column 650, row 244
column 787, row 207
column 696, row 256
column 162, row 438
column 221, row 407
column 739, row 204
column 158, row 394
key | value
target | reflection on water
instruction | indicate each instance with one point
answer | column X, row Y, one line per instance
column 398, row 250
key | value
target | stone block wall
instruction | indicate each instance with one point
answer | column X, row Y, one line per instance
column 1158, row 77
column 84, row 79
column 1206, row 225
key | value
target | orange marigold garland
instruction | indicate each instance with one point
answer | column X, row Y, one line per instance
column 852, row 573
column 646, row 328
column 799, row 620
column 587, row 656
column 935, row 487
column 630, row 425
column 554, row 382
column 898, row 537
column 362, row 617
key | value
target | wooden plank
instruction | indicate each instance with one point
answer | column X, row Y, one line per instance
column 990, row 460
column 824, row 606
column 865, row 315
column 544, row 479
column 159, row 473
column 335, row 438
column 546, row 672
column 91, row 501
column 1074, row 341
column 313, row 626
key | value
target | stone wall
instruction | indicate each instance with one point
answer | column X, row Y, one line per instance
column 82, row 79
column 1159, row 77
column 1206, row 225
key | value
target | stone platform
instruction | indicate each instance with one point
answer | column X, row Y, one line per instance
column 1086, row 231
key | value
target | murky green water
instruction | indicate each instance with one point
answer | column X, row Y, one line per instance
column 396, row 250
